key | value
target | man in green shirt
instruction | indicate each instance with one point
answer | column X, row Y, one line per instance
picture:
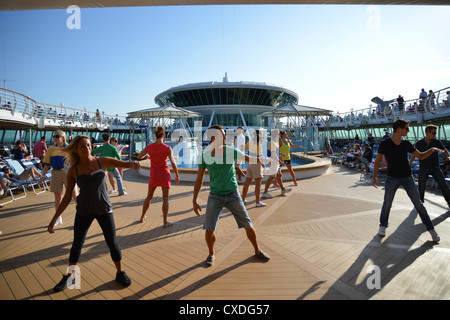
column 108, row 150
column 220, row 160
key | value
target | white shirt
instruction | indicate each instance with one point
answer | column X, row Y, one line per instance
column 240, row 142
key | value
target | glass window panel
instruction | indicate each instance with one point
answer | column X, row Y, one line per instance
column 260, row 94
column 238, row 93
column 223, row 95
column 192, row 97
column 201, row 93
column 266, row 98
column 244, row 96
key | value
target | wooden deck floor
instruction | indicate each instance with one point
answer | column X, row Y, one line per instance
column 321, row 238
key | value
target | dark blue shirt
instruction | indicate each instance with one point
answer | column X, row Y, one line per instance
column 397, row 157
column 433, row 160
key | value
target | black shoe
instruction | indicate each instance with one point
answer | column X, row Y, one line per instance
column 64, row 283
column 123, row 279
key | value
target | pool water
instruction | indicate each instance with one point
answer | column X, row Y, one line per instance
column 294, row 162
column 186, row 155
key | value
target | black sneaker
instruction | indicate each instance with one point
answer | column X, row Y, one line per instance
column 63, row 283
column 123, row 279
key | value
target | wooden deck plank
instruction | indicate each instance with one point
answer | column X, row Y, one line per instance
column 317, row 251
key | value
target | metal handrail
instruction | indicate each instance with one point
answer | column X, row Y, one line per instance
column 18, row 103
column 411, row 107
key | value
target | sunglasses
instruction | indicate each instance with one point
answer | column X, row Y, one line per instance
column 56, row 136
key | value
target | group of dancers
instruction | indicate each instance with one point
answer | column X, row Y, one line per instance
column 83, row 168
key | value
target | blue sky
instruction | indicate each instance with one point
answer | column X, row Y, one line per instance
column 334, row 57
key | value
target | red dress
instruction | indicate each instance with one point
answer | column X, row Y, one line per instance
column 159, row 169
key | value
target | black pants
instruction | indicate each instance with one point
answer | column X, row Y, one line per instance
column 81, row 227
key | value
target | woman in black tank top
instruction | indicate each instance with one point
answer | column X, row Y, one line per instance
column 92, row 203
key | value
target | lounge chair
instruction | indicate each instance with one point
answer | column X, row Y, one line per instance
column 11, row 187
column 33, row 164
column 17, row 168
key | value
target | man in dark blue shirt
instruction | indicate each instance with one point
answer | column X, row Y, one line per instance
column 396, row 150
column 430, row 165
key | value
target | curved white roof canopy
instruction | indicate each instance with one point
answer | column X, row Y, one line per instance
column 291, row 109
column 167, row 111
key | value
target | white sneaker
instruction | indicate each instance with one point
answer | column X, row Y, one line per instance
column 382, row 231
column 286, row 190
column 266, row 195
column 245, row 202
column 434, row 235
column 58, row 221
column 260, row 204
column 112, row 191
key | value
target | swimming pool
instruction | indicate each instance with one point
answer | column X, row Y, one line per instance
column 180, row 164
column 187, row 153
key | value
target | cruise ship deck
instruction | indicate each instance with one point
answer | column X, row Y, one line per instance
column 322, row 239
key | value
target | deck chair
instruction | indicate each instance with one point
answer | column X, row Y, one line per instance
column 17, row 168
column 33, row 164
column 8, row 152
column 380, row 176
column 11, row 187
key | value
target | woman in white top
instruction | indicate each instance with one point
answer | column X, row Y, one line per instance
column 254, row 170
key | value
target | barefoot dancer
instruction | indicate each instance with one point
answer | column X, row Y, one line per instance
column 159, row 173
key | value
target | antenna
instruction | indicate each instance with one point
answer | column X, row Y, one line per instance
column 4, row 82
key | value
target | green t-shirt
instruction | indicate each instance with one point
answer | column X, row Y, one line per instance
column 222, row 175
column 107, row 150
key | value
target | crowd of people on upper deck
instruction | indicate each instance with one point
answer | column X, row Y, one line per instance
column 51, row 112
column 425, row 101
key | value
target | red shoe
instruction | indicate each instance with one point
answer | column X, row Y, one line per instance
column 295, row 183
column 276, row 184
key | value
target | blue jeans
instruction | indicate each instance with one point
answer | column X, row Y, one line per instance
column 118, row 177
column 233, row 202
column 440, row 179
column 391, row 186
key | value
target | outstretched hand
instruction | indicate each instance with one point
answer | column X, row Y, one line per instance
column 136, row 165
column 50, row 228
column 197, row 208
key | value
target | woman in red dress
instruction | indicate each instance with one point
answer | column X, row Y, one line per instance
column 158, row 152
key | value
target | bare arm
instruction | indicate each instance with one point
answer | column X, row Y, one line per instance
column 142, row 154
column 174, row 166
column 426, row 154
column 375, row 169
column 108, row 162
column 197, row 187
column 411, row 160
column 44, row 172
column 294, row 146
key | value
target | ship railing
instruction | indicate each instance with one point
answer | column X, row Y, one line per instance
column 432, row 104
column 21, row 105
